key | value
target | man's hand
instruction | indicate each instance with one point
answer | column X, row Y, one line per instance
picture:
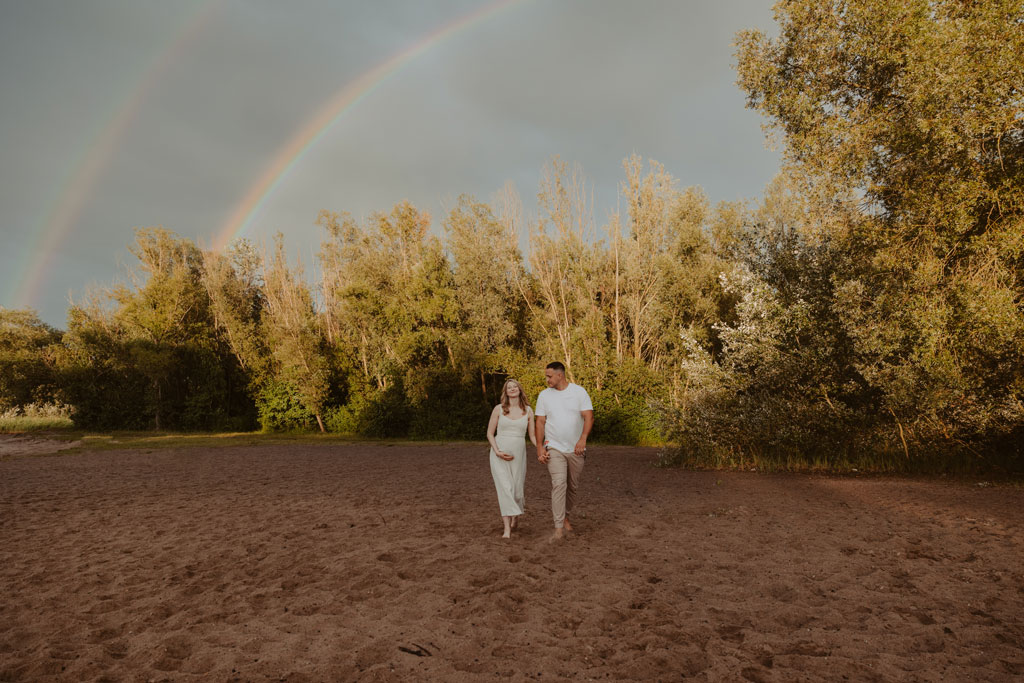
column 588, row 424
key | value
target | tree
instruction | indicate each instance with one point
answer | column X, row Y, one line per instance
column 913, row 111
column 917, row 105
column 148, row 353
column 648, row 199
column 165, row 316
column 569, row 268
column 487, row 266
column 293, row 333
column 666, row 275
column 234, row 285
column 97, row 371
column 690, row 298
column 27, row 359
column 355, row 285
column 388, row 292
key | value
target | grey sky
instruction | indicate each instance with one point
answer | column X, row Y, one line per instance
column 207, row 93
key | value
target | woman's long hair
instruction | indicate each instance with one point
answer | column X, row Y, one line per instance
column 505, row 402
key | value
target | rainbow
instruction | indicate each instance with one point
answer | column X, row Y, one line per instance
column 78, row 189
column 292, row 153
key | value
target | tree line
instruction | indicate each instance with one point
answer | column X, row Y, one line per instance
column 867, row 309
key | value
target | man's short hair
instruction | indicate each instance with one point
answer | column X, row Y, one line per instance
column 556, row 365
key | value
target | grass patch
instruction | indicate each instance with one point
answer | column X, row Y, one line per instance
column 25, row 423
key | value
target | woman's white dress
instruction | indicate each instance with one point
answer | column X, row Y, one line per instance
column 510, row 475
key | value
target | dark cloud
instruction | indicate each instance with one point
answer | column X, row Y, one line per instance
column 591, row 80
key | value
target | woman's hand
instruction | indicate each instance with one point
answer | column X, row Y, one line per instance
column 505, row 456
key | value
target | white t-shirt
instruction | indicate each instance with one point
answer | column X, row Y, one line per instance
column 563, row 425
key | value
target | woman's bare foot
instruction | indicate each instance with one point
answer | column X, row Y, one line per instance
column 514, row 524
column 508, row 526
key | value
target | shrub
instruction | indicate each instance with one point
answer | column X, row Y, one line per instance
column 280, row 408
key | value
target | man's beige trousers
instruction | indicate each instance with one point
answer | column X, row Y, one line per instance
column 565, row 470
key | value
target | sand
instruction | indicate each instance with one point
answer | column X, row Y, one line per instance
column 13, row 445
column 377, row 563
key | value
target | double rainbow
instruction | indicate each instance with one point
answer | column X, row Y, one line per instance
column 74, row 198
column 27, row 281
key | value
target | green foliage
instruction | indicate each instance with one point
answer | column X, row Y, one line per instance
column 150, row 356
column 487, row 273
column 626, row 405
column 445, row 405
column 881, row 317
column 34, row 417
column 375, row 414
column 27, row 360
column 97, row 373
column 235, row 287
column 917, row 104
column 281, row 408
column 294, row 336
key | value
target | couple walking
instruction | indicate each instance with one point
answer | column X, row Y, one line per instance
column 564, row 418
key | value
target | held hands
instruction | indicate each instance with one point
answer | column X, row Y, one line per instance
column 542, row 455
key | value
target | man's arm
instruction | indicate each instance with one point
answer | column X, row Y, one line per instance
column 588, row 424
column 542, row 452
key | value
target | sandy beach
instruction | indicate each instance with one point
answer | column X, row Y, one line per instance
column 385, row 563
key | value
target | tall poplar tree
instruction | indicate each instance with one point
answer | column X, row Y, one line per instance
column 486, row 266
column 294, row 334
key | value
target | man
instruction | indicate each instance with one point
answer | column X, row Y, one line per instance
column 565, row 417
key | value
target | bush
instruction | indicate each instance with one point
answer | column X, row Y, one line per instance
column 280, row 408
column 377, row 415
column 624, row 406
column 447, row 408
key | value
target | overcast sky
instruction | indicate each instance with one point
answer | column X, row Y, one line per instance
column 118, row 114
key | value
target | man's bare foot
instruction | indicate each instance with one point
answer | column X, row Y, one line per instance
column 558, row 535
column 568, row 527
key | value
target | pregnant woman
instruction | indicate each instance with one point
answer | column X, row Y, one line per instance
column 511, row 421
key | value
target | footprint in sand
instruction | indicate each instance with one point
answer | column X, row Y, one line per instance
column 178, row 647
column 733, row 634
column 118, row 650
column 755, row 675
column 102, row 635
column 491, row 580
column 165, row 663
column 782, row 592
